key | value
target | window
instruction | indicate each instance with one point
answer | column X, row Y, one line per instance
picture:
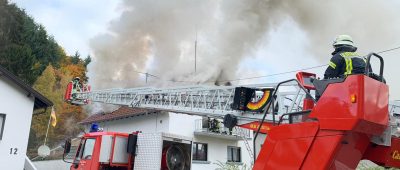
column 79, row 151
column 2, row 121
column 88, row 149
column 199, row 151
column 234, row 154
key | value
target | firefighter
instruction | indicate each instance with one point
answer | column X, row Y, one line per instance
column 214, row 125
column 75, row 86
column 345, row 60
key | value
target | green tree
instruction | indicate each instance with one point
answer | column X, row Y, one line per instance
column 87, row 61
column 28, row 51
column 19, row 34
column 76, row 58
column 20, row 61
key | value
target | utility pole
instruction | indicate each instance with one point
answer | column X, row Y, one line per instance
column 195, row 54
column 147, row 75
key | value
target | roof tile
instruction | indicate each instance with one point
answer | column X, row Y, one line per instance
column 122, row 112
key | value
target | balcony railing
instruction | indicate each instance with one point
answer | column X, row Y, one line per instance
column 220, row 131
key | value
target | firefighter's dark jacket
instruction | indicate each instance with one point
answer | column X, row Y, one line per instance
column 345, row 61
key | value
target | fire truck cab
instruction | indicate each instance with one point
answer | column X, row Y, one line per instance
column 102, row 150
column 123, row 151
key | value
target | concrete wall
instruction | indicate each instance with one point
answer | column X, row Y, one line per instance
column 18, row 109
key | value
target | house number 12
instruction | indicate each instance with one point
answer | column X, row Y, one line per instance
column 13, row 151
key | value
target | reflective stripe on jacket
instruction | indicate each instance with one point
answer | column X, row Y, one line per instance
column 345, row 63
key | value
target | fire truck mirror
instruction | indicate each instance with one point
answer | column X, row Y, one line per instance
column 306, row 79
column 132, row 141
column 67, row 146
column 76, row 164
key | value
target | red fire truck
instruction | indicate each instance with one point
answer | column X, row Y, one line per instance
column 340, row 122
column 113, row 150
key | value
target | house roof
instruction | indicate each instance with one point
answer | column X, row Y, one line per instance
column 40, row 100
column 121, row 113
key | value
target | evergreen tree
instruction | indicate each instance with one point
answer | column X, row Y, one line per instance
column 76, row 58
column 87, row 61
column 20, row 61
column 30, row 53
column 19, row 34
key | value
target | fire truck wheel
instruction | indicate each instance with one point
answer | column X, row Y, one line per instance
column 175, row 158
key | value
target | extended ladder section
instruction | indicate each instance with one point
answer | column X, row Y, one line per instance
column 246, row 103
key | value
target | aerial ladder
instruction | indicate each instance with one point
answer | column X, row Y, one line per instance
column 243, row 105
column 310, row 123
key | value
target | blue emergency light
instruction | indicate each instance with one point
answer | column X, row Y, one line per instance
column 94, row 127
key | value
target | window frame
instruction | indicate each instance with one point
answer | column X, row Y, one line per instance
column 230, row 157
column 195, row 147
column 79, row 151
column 84, row 148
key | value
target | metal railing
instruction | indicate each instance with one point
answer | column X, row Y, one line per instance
column 245, row 133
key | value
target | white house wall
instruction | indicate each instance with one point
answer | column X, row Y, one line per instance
column 184, row 124
column 217, row 152
column 148, row 123
column 18, row 109
column 245, row 153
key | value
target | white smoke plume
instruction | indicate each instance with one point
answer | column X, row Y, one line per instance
column 165, row 31
column 158, row 36
column 374, row 25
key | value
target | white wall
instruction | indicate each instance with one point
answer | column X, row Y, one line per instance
column 18, row 109
column 184, row 124
column 147, row 123
column 246, row 159
column 217, row 151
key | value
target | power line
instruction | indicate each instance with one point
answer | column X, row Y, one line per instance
column 287, row 72
column 146, row 74
column 392, row 49
column 275, row 74
column 257, row 77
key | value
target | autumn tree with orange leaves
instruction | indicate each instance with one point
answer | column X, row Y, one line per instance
column 29, row 52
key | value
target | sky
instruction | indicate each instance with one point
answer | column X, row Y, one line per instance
column 74, row 23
